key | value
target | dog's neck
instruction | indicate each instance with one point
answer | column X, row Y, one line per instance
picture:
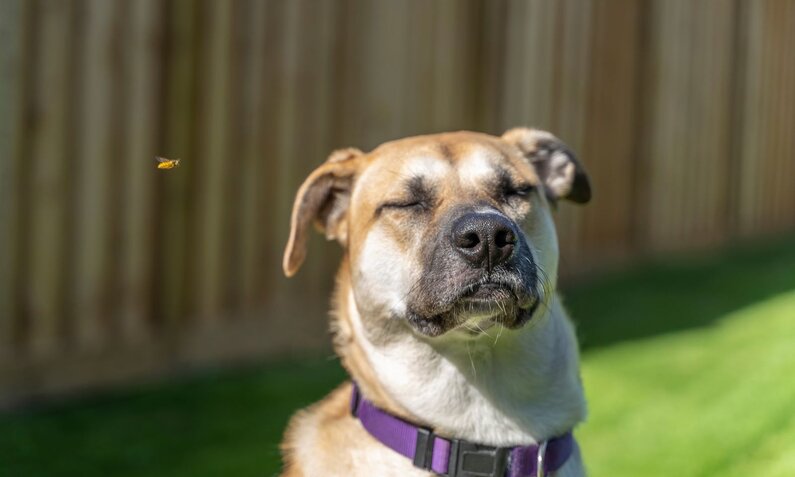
column 505, row 388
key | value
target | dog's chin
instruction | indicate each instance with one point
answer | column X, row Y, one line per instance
column 477, row 310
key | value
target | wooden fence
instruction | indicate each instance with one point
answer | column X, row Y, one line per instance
column 111, row 271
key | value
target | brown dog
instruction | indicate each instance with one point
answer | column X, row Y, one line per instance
column 445, row 310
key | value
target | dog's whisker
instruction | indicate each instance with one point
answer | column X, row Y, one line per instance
column 499, row 333
column 471, row 361
column 482, row 330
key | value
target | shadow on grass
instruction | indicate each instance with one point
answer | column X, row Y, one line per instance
column 688, row 292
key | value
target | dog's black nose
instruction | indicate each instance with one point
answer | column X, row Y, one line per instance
column 484, row 239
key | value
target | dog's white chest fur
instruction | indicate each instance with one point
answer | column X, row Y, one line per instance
column 516, row 388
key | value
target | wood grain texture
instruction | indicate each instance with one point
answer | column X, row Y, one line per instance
column 179, row 63
column 140, row 139
column 210, row 195
column 252, row 168
column 527, row 93
column 611, row 129
column 13, row 68
column 765, row 196
column 47, row 188
column 96, row 169
column 571, row 101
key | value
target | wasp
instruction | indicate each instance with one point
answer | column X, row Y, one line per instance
column 163, row 163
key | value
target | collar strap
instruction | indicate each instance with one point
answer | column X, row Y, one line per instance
column 458, row 457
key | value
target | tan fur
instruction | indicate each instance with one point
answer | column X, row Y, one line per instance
column 324, row 439
column 318, row 439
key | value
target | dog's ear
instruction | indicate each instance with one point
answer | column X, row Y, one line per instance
column 323, row 199
column 557, row 167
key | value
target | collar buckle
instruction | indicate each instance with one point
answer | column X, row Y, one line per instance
column 468, row 459
column 423, row 452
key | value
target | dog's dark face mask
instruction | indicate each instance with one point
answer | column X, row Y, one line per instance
column 477, row 270
column 451, row 232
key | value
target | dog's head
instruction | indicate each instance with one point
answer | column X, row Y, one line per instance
column 444, row 232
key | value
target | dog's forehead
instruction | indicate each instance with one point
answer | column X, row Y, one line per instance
column 479, row 165
column 467, row 158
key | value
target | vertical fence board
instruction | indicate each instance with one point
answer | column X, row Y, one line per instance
column 493, row 47
column 12, row 80
column 706, row 164
column 47, row 192
column 137, row 238
column 783, row 167
column 274, row 198
column 611, row 128
column 347, row 75
column 252, row 166
column 210, row 195
column 667, row 131
column 96, row 169
column 778, row 135
column 236, row 119
column 173, row 241
column 766, row 194
column 528, row 92
column 455, row 80
column 571, row 79
column 234, row 156
column 749, row 130
column 383, row 63
column 776, row 192
column 770, row 196
column 787, row 158
column 766, row 197
column 418, row 88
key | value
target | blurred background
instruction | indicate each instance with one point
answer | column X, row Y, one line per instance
column 146, row 327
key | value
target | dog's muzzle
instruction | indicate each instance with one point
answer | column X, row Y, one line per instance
column 480, row 272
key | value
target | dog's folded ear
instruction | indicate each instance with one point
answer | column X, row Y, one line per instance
column 323, row 199
column 557, row 167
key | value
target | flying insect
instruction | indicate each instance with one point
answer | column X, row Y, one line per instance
column 163, row 163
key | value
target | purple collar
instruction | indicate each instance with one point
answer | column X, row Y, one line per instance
column 457, row 457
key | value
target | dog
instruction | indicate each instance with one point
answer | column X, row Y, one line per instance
column 445, row 312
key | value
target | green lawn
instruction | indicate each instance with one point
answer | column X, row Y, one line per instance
column 689, row 368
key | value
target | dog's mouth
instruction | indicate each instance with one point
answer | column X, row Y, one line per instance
column 481, row 305
column 484, row 305
column 488, row 293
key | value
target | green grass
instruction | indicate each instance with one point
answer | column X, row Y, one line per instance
column 713, row 401
column 688, row 367
column 221, row 424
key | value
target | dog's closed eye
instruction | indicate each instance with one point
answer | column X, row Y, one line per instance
column 508, row 188
column 518, row 190
column 417, row 198
column 405, row 205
